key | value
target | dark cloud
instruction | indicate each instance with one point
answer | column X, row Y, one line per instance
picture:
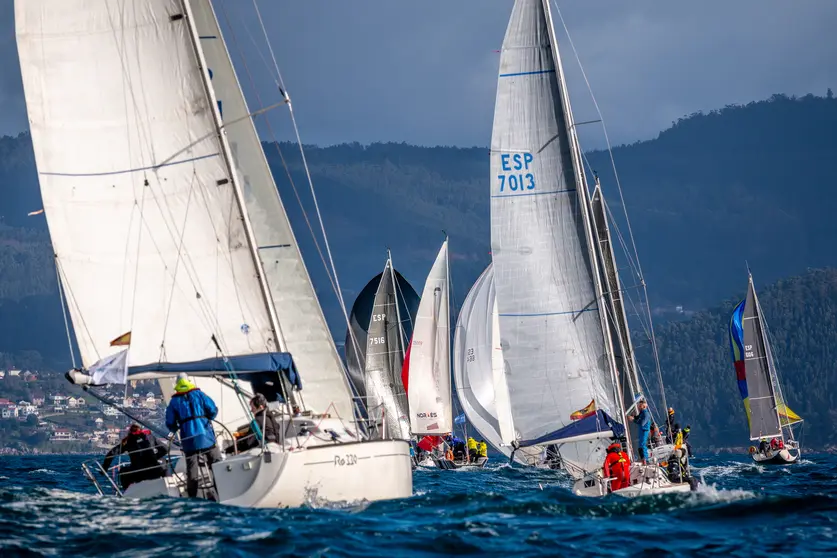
column 425, row 72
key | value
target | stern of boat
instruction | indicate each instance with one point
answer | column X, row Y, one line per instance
column 321, row 475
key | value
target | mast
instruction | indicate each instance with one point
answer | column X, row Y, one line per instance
column 614, row 289
column 584, row 197
column 239, row 196
column 401, row 334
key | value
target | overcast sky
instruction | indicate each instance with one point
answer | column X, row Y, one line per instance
column 425, row 72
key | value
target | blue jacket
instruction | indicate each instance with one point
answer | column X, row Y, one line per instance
column 643, row 421
column 191, row 412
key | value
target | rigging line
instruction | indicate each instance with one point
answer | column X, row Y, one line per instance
column 621, row 197
column 71, row 297
column 334, row 285
column 275, row 141
column 64, row 311
column 339, row 291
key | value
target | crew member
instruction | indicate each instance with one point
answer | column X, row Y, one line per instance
column 643, row 423
column 617, row 466
column 190, row 412
column 482, row 451
column 472, row 449
column 265, row 422
column 144, row 451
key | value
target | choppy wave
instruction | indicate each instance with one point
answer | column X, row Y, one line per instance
column 741, row 509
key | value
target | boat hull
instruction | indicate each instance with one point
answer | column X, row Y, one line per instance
column 781, row 457
column 646, row 480
column 321, row 475
column 447, row 465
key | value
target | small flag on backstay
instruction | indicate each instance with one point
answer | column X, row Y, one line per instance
column 587, row 411
column 122, row 340
column 460, row 419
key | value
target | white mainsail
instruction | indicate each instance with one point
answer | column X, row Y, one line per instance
column 428, row 367
column 149, row 227
column 303, row 329
column 143, row 217
column 555, row 341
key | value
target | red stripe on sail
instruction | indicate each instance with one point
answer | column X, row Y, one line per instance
column 405, row 368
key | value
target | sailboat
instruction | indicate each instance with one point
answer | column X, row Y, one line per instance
column 166, row 224
column 769, row 418
column 375, row 352
column 563, row 334
column 427, row 369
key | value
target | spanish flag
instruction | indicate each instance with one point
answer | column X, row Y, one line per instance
column 587, row 411
column 122, row 340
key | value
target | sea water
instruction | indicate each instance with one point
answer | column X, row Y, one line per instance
column 742, row 509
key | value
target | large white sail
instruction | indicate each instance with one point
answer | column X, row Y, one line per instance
column 142, row 214
column 556, row 353
column 303, row 329
column 478, row 368
column 428, row 368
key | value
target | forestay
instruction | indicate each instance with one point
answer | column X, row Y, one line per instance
column 386, row 397
column 303, row 329
column 428, row 370
column 551, row 330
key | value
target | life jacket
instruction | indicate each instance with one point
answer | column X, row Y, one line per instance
column 472, row 444
column 449, row 455
column 781, row 444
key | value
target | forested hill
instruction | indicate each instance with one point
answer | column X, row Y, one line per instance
column 801, row 314
column 751, row 182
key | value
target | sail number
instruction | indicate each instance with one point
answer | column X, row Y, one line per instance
column 516, row 182
column 378, row 317
column 748, row 351
column 349, row 459
column 471, row 357
column 377, row 340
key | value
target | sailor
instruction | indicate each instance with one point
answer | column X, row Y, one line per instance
column 686, row 432
column 482, row 451
column 144, row 451
column 763, row 446
column 617, row 465
column 643, row 423
column 656, row 435
column 458, row 447
column 669, row 421
column 191, row 411
column 264, row 421
column 774, row 444
column 472, row 449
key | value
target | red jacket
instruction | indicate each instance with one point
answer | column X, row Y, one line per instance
column 617, row 465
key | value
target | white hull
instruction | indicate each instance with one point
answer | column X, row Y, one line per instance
column 324, row 474
column 646, row 480
column 782, row 457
